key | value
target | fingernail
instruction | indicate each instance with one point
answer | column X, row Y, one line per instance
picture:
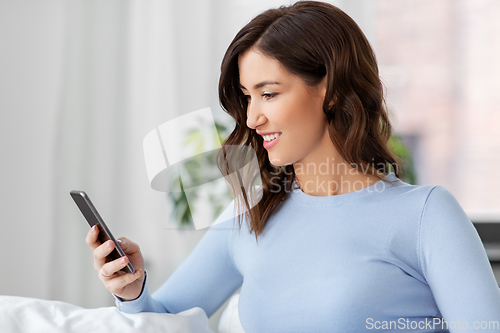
column 110, row 243
column 123, row 260
column 120, row 241
column 94, row 228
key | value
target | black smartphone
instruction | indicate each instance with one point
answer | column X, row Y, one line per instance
column 88, row 210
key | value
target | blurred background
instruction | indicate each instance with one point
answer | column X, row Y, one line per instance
column 83, row 81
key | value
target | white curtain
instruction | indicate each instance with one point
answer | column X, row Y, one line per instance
column 129, row 66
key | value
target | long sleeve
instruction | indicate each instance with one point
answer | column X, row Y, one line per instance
column 369, row 259
column 455, row 265
column 206, row 279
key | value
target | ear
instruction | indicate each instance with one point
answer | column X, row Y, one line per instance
column 322, row 86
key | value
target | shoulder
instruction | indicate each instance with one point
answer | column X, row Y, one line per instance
column 441, row 202
column 402, row 195
column 429, row 200
column 443, row 217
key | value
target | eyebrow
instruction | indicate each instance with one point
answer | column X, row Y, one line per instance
column 262, row 84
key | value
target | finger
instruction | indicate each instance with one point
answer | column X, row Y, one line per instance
column 128, row 246
column 117, row 283
column 91, row 238
column 101, row 252
column 110, row 268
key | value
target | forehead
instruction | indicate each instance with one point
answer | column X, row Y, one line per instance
column 255, row 67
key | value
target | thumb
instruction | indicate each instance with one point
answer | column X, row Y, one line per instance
column 127, row 245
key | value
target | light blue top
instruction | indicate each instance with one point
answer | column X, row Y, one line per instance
column 385, row 257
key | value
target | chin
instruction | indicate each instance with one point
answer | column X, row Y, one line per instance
column 274, row 161
column 277, row 162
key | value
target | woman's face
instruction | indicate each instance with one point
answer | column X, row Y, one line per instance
column 280, row 102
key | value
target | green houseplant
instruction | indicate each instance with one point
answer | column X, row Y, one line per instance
column 196, row 169
column 408, row 174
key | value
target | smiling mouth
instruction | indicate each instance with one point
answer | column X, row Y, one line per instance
column 271, row 137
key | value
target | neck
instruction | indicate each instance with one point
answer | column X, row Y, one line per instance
column 329, row 178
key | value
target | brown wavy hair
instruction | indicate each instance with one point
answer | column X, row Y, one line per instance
column 310, row 39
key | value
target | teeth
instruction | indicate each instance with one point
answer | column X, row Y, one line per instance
column 270, row 137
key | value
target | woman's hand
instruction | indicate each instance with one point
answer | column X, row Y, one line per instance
column 124, row 285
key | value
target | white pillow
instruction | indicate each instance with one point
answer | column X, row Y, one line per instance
column 229, row 321
column 21, row 314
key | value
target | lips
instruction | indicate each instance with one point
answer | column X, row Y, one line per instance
column 272, row 143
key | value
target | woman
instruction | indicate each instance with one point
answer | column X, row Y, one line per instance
column 337, row 242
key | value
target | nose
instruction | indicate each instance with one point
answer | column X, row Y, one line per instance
column 255, row 117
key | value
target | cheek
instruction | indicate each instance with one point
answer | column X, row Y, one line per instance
column 303, row 118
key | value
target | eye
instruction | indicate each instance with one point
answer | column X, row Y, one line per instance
column 269, row 96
